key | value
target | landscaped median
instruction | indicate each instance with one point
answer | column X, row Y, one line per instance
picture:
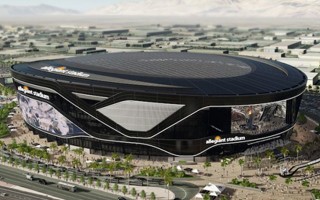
column 243, row 184
column 135, row 192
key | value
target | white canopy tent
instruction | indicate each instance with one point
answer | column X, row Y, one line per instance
column 195, row 171
column 213, row 194
column 214, row 188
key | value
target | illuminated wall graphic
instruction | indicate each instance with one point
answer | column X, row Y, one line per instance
column 257, row 119
column 43, row 116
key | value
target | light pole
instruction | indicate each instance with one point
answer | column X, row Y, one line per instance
column 147, row 179
column 168, row 190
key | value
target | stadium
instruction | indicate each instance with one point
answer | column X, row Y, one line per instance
column 160, row 104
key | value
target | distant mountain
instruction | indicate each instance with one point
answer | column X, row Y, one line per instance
column 42, row 9
column 215, row 8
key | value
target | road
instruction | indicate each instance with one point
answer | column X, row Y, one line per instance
column 13, row 194
column 183, row 190
column 16, row 177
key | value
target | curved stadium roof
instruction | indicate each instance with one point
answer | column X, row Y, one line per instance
column 175, row 73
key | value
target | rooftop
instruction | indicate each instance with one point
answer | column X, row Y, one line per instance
column 178, row 73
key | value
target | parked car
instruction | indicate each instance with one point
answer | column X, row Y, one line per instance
column 42, row 181
column 3, row 194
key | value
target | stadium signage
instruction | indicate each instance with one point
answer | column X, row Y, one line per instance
column 26, row 90
column 64, row 70
column 218, row 139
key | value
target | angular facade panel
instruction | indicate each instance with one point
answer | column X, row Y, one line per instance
column 139, row 115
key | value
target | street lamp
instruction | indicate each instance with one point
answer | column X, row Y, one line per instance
column 147, row 179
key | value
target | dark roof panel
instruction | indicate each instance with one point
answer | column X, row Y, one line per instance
column 176, row 73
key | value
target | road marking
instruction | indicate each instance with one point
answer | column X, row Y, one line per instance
column 21, row 193
column 11, row 175
column 185, row 192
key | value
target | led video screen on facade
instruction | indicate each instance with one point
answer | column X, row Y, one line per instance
column 258, row 119
column 45, row 117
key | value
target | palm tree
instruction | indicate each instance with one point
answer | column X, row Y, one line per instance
column 112, row 166
column 133, row 192
column 152, row 196
column 11, row 161
column 30, row 166
column 241, row 163
column 23, row 163
column 128, row 168
column 58, row 174
column 12, row 146
column 44, row 170
column 33, row 153
column 62, row 159
column 106, row 185
column 143, row 194
column 51, row 171
column 270, row 155
column 36, row 167
column 76, row 162
column 3, row 159
column 53, row 146
column 2, row 144
column 298, row 148
column 66, row 175
column 224, row 163
column 257, row 160
column 98, row 183
column 115, row 156
column 128, row 158
column 284, row 152
column 16, row 162
column 79, row 151
column 115, row 187
column 167, row 178
column 90, row 181
column 82, row 180
column 74, row 176
column 46, row 156
column 94, row 165
column 206, row 165
column 309, row 169
column 124, row 190
column 65, row 149
column 21, row 150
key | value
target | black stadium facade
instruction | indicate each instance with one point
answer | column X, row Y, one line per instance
column 160, row 104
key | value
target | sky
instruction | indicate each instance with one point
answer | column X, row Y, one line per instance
column 81, row 5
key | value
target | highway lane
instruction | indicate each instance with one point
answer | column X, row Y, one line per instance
column 182, row 190
column 13, row 194
column 17, row 177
